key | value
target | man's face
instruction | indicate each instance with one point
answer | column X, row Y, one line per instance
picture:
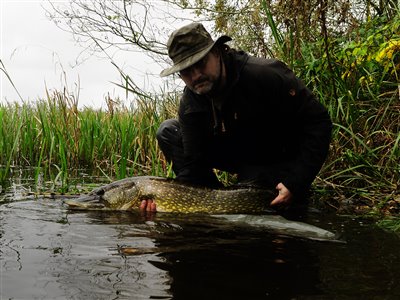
column 203, row 76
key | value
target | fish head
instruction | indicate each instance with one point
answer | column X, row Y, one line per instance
column 87, row 202
column 121, row 195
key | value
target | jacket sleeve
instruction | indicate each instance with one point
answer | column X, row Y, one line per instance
column 314, row 130
column 197, row 169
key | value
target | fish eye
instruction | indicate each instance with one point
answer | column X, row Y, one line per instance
column 100, row 192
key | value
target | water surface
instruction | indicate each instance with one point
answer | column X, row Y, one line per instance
column 49, row 252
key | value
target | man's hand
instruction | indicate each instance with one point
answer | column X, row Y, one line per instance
column 284, row 197
column 148, row 206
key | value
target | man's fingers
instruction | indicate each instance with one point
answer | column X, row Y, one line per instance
column 284, row 196
column 148, row 205
column 151, row 206
column 143, row 205
column 278, row 200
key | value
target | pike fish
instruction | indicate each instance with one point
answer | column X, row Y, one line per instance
column 172, row 196
column 237, row 205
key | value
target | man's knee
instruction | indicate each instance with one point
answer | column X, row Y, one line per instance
column 169, row 129
column 169, row 139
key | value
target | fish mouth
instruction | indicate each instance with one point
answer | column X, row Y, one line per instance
column 84, row 203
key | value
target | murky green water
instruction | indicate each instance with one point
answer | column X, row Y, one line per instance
column 49, row 252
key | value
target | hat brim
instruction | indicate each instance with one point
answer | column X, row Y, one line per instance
column 191, row 60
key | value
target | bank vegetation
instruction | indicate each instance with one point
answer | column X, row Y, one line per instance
column 347, row 52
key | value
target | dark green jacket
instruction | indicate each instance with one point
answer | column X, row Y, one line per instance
column 266, row 126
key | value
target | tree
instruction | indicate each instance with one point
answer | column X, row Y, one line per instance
column 275, row 28
column 115, row 25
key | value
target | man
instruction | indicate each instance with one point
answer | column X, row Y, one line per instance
column 241, row 114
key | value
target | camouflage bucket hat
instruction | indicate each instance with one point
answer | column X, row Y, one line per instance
column 189, row 44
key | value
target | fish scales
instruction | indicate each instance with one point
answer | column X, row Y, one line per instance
column 172, row 196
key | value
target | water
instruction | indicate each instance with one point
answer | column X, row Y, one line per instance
column 49, row 252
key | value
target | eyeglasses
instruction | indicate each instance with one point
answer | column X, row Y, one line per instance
column 200, row 65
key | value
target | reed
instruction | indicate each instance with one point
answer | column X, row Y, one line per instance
column 53, row 133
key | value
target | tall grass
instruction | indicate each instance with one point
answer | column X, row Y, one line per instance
column 53, row 133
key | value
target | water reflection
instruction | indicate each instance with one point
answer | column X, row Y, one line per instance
column 241, row 265
column 48, row 253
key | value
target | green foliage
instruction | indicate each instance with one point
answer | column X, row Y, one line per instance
column 55, row 134
column 347, row 52
column 362, row 94
column 390, row 223
column 10, row 143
